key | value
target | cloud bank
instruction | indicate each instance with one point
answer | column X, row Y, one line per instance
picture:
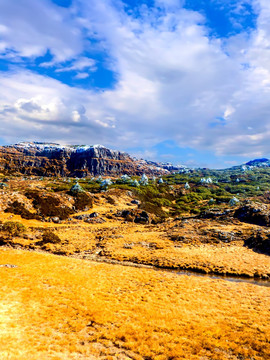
column 175, row 80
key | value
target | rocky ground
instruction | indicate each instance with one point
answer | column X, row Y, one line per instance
column 111, row 225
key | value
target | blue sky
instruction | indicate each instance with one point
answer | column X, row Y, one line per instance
column 178, row 81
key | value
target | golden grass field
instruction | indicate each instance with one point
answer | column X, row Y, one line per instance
column 55, row 307
column 68, row 307
column 150, row 245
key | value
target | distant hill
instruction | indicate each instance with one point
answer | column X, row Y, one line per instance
column 259, row 162
column 49, row 159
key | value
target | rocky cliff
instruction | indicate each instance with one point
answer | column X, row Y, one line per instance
column 43, row 159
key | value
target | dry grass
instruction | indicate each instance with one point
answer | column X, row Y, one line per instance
column 54, row 307
column 151, row 245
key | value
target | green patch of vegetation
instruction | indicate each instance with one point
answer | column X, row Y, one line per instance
column 59, row 187
column 14, row 228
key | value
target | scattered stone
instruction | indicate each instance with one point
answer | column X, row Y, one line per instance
column 9, row 266
column 128, row 246
column 94, row 214
column 86, row 216
column 216, row 213
column 142, row 218
column 117, row 236
column 95, row 220
column 136, row 216
column 177, row 238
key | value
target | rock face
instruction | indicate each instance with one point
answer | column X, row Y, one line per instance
column 260, row 242
column 44, row 159
column 254, row 213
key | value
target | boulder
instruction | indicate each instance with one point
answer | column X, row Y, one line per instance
column 254, row 213
column 259, row 242
column 135, row 202
column 137, row 216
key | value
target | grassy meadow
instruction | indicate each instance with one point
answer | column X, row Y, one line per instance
column 54, row 307
column 56, row 303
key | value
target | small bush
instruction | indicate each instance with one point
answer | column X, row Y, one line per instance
column 59, row 187
column 48, row 205
column 18, row 208
column 50, row 237
column 82, row 201
column 153, row 209
column 93, row 188
column 222, row 199
column 13, row 228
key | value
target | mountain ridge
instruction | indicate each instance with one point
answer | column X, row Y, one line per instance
column 51, row 159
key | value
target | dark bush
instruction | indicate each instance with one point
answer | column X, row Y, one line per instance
column 83, row 201
column 18, row 208
column 93, row 188
column 13, row 228
column 195, row 211
column 222, row 199
column 49, row 237
column 48, row 205
column 59, row 187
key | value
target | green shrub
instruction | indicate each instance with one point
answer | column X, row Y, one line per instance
column 59, row 187
column 164, row 202
column 13, row 228
column 153, row 209
column 195, row 211
column 93, row 187
column 222, row 199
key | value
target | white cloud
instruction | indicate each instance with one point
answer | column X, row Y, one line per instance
column 57, row 112
column 174, row 80
column 81, row 75
column 30, row 28
column 228, row 112
column 82, row 63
